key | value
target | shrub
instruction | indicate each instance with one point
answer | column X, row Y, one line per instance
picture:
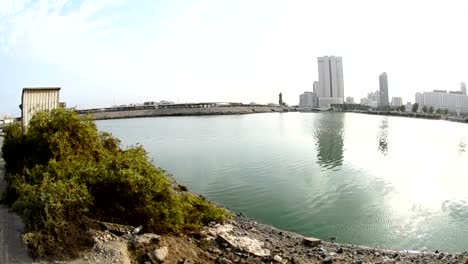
column 62, row 170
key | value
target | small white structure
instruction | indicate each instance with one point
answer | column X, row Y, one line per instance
column 38, row 99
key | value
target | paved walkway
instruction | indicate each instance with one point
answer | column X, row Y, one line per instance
column 11, row 249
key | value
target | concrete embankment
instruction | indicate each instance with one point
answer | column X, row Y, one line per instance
column 241, row 110
column 11, row 227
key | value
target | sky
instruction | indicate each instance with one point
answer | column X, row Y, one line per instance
column 108, row 52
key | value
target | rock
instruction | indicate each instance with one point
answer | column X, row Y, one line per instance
column 116, row 229
column 277, row 258
column 339, row 250
column 216, row 251
column 327, row 260
column 187, row 261
column 137, row 230
column 311, row 242
column 145, row 239
column 223, row 261
column 158, row 255
column 244, row 243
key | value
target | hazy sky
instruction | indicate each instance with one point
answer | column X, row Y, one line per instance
column 104, row 52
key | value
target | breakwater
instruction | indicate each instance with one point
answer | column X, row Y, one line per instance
column 239, row 110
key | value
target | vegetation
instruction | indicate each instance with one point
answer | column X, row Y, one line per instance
column 401, row 108
column 62, row 171
column 431, row 110
column 424, row 109
column 415, row 107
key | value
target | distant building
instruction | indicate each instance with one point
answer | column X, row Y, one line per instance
column 330, row 84
column 308, row 99
column 6, row 119
column 162, row 102
column 397, row 101
column 418, row 99
column 316, row 87
column 364, row 101
column 408, row 107
column 463, row 88
column 327, row 102
column 440, row 99
column 280, row 100
column 349, row 100
column 34, row 100
column 383, row 82
column 372, row 99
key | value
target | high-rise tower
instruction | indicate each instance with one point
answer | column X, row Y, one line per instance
column 330, row 86
column 330, row 77
column 383, row 82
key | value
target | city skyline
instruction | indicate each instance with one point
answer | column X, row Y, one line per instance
column 118, row 51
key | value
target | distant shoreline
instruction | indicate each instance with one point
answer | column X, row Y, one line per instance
column 413, row 115
column 239, row 110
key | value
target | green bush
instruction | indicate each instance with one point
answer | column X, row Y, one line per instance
column 62, row 171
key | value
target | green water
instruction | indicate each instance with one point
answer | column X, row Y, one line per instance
column 391, row 182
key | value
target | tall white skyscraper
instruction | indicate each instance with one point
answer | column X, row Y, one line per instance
column 330, row 71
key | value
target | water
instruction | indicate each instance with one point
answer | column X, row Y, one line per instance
column 390, row 182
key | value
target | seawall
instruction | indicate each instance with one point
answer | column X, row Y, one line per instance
column 240, row 110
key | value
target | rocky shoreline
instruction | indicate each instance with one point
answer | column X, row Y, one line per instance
column 239, row 240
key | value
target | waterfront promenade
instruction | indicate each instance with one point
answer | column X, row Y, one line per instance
column 11, row 249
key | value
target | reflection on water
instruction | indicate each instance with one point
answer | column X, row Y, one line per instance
column 461, row 146
column 382, row 136
column 328, row 133
column 458, row 210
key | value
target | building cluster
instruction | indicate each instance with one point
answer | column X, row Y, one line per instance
column 372, row 99
column 453, row 101
column 329, row 89
column 380, row 98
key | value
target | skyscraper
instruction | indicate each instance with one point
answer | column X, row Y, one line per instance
column 330, row 85
column 383, row 81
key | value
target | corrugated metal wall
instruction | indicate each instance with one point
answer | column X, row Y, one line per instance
column 38, row 100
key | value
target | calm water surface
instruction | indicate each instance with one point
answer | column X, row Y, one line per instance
column 382, row 181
